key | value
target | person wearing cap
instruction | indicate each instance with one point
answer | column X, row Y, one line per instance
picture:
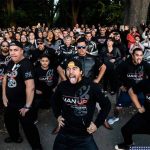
column 73, row 104
column 18, row 93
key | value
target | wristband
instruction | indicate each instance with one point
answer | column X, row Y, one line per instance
column 27, row 107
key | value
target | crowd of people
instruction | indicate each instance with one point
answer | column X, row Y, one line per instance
column 72, row 71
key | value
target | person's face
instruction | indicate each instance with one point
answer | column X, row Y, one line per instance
column 31, row 36
column 71, row 34
column 7, row 36
column 56, row 33
column 88, row 37
column 24, row 33
column 117, row 37
column 134, row 29
column 137, row 57
column 44, row 34
column 81, row 47
column 73, row 73
column 65, row 33
column 40, row 45
column 5, row 47
column 110, row 43
column 40, row 35
column 50, row 35
column 68, row 41
column 102, row 31
column 44, row 62
column 23, row 39
column 93, row 33
column 137, row 39
column 16, row 53
column 17, row 37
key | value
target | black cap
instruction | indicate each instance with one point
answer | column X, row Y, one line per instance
column 74, row 62
column 16, row 43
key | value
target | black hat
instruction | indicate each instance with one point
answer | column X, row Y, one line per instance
column 16, row 43
column 74, row 62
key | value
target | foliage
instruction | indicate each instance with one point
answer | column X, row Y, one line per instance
column 64, row 13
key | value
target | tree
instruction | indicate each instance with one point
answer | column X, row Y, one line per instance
column 136, row 11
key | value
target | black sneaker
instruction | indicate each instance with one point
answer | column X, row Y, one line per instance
column 9, row 140
column 122, row 146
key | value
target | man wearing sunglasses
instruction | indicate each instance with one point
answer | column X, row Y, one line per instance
column 93, row 68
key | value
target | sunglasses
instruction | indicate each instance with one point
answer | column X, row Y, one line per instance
column 39, row 43
column 79, row 47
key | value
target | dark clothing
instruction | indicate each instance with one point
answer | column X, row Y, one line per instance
column 66, row 52
column 68, row 142
column 101, row 42
column 76, row 103
column 12, row 118
column 17, row 74
column 92, row 48
column 139, row 123
column 27, row 49
column 45, row 81
column 110, row 75
column 90, row 65
column 130, row 74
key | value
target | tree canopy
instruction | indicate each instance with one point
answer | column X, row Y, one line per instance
column 70, row 12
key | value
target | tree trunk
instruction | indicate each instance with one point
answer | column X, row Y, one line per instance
column 75, row 11
column 136, row 12
column 10, row 11
column 10, row 7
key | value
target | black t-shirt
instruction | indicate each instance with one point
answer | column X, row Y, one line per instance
column 76, row 103
column 130, row 74
column 45, row 80
column 143, row 86
column 17, row 74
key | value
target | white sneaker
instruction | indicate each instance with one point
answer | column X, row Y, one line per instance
column 113, row 120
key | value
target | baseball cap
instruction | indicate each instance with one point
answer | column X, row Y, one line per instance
column 16, row 43
column 73, row 63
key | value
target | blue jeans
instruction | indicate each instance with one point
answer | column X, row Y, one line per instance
column 69, row 142
column 124, row 99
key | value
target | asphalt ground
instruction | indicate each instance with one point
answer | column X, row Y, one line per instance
column 105, row 139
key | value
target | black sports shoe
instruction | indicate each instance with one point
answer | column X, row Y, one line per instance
column 122, row 146
column 9, row 140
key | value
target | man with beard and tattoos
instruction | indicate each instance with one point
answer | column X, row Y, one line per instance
column 74, row 104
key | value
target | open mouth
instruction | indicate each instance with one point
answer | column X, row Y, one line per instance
column 72, row 80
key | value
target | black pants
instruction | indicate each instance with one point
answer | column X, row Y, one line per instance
column 110, row 77
column 69, row 142
column 138, row 124
column 12, row 118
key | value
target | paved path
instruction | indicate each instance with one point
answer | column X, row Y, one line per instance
column 105, row 139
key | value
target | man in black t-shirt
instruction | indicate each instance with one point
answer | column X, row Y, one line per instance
column 73, row 104
column 18, row 93
column 140, row 122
